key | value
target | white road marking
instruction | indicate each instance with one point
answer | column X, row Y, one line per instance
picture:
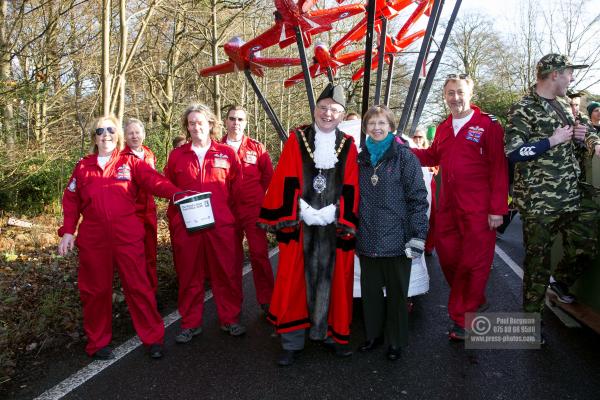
column 97, row 366
column 513, row 265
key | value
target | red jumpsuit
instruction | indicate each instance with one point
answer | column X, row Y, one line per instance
column 210, row 250
column 257, row 171
column 110, row 235
column 474, row 185
column 145, row 208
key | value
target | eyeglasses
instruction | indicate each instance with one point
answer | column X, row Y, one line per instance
column 110, row 129
column 373, row 124
column 334, row 111
column 457, row 76
column 233, row 119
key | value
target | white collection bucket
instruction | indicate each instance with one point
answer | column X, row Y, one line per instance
column 196, row 210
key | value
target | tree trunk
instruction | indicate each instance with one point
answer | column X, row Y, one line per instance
column 106, row 76
column 5, row 76
column 215, row 58
column 122, row 60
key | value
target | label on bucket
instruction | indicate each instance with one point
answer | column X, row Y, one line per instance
column 196, row 212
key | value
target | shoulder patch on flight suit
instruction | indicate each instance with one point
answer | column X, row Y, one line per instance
column 72, row 185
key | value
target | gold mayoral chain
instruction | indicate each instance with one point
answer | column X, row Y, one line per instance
column 319, row 182
column 374, row 177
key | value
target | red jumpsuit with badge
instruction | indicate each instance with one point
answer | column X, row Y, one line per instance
column 210, row 250
column 474, row 185
column 145, row 208
column 111, row 234
column 257, row 173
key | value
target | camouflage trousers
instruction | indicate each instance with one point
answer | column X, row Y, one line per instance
column 580, row 236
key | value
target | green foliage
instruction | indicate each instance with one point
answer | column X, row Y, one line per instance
column 31, row 181
column 495, row 100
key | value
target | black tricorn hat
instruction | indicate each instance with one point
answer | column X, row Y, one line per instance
column 334, row 92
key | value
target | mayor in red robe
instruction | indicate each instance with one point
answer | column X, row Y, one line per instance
column 312, row 205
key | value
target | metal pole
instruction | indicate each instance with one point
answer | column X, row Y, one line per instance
column 368, row 60
column 381, row 59
column 436, row 16
column 330, row 74
column 412, row 90
column 433, row 68
column 267, row 107
column 388, row 85
column 305, row 70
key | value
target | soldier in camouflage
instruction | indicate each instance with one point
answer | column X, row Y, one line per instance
column 543, row 139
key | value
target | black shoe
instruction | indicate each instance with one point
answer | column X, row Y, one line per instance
column 562, row 292
column 371, row 344
column 187, row 334
column 287, row 357
column 105, row 353
column 156, row 350
column 457, row 333
column 393, row 353
column 340, row 350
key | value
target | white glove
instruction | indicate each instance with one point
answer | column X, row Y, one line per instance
column 327, row 214
column 310, row 216
column 414, row 248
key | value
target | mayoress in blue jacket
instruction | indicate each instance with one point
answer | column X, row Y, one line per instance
column 392, row 229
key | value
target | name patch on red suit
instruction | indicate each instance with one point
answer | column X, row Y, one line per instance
column 250, row 157
column 124, row 173
column 474, row 134
column 221, row 161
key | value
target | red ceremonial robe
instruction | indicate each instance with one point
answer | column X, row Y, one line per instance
column 297, row 304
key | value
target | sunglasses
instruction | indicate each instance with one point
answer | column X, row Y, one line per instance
column 417, row 137
column 110, row 129
column 457, row 76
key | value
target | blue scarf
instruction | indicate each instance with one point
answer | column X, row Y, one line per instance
column 377, row 149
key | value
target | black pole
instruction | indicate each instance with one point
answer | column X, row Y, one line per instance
column 267, row 107
column 368, row 60
column 436, row 16
column 305, row 70
column 330, row 74
column 381, row 59
column 433, row 68
column 388, row 84
column 412, row 90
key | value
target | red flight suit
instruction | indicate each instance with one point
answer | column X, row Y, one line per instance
column 211, row 250
column 474, row 185
column 111, row 234
column 145, row 208
column 257, row 173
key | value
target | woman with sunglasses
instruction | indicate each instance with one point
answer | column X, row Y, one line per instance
column 103, row 189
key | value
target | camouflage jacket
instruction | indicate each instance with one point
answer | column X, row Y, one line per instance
column 549, row 183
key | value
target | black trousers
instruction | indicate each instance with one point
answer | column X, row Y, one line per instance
column 385, row 314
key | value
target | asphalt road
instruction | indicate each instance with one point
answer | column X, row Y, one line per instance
column 217, row 366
